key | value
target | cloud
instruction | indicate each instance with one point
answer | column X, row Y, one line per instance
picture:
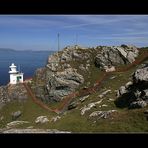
column 102, row 19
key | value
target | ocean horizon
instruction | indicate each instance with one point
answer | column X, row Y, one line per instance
column 26, row 61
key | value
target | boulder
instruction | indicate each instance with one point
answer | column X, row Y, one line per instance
column 116, row 55
column 141, row 75
column 41, row 119
column 63, row 83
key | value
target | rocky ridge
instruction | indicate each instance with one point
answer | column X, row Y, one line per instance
column 61, row 76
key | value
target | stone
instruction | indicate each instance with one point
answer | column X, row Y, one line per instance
column 15, row 123
column 141, row 75
column 89, row 106
column 122, row 90
column 138, row 104
column 81, row 67
column 72, row 105
column 109, row 68
column 104, row 105
column 104, row 93
column 115, row 55
column 111, row 100
column 102, row 114
column 41, row 119
column 137, row 93
column 128, row 84
column 16, row 115
column 113, row 77
column 54, row 119
column 82, row 99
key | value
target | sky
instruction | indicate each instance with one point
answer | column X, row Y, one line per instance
column 39, row 32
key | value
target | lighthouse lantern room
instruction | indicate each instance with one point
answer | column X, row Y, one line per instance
column 15, row 76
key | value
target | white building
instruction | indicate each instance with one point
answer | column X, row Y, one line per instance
column 15, row 76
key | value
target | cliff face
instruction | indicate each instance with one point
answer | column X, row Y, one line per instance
column 70, row 68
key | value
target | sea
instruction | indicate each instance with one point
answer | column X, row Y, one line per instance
column 26, row 61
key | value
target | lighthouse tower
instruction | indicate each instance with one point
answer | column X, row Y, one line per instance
column 15, row 76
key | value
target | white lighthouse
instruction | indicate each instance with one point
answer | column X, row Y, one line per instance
column 15, row 76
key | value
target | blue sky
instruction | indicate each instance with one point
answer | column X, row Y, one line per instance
column 39, row 32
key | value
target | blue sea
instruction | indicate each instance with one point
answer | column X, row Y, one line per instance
column 28, row 61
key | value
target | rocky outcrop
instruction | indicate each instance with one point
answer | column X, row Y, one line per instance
column 63, row 83
column 116, row 55
column 135, row 93
column 141, row 75
column 60, row 78
column 66, row 69
column 12, row 92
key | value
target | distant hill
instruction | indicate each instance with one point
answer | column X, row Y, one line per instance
column 28, row 50
column 7, row 49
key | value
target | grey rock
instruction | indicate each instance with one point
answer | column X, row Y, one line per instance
column 138, row 104
column 54, row 119
column 141, row 75
column 137, row 93
column 128, row 84
column 15, row 123
column 41, row 119
column 102, row 114
column 89, row 106
column 63, row 83
column 81, row 67
column 72, row 105
column 104, row 93
column 82, row 99
column 16, row 115
column 12, row 92
column 116, row 55
column 122, row 90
